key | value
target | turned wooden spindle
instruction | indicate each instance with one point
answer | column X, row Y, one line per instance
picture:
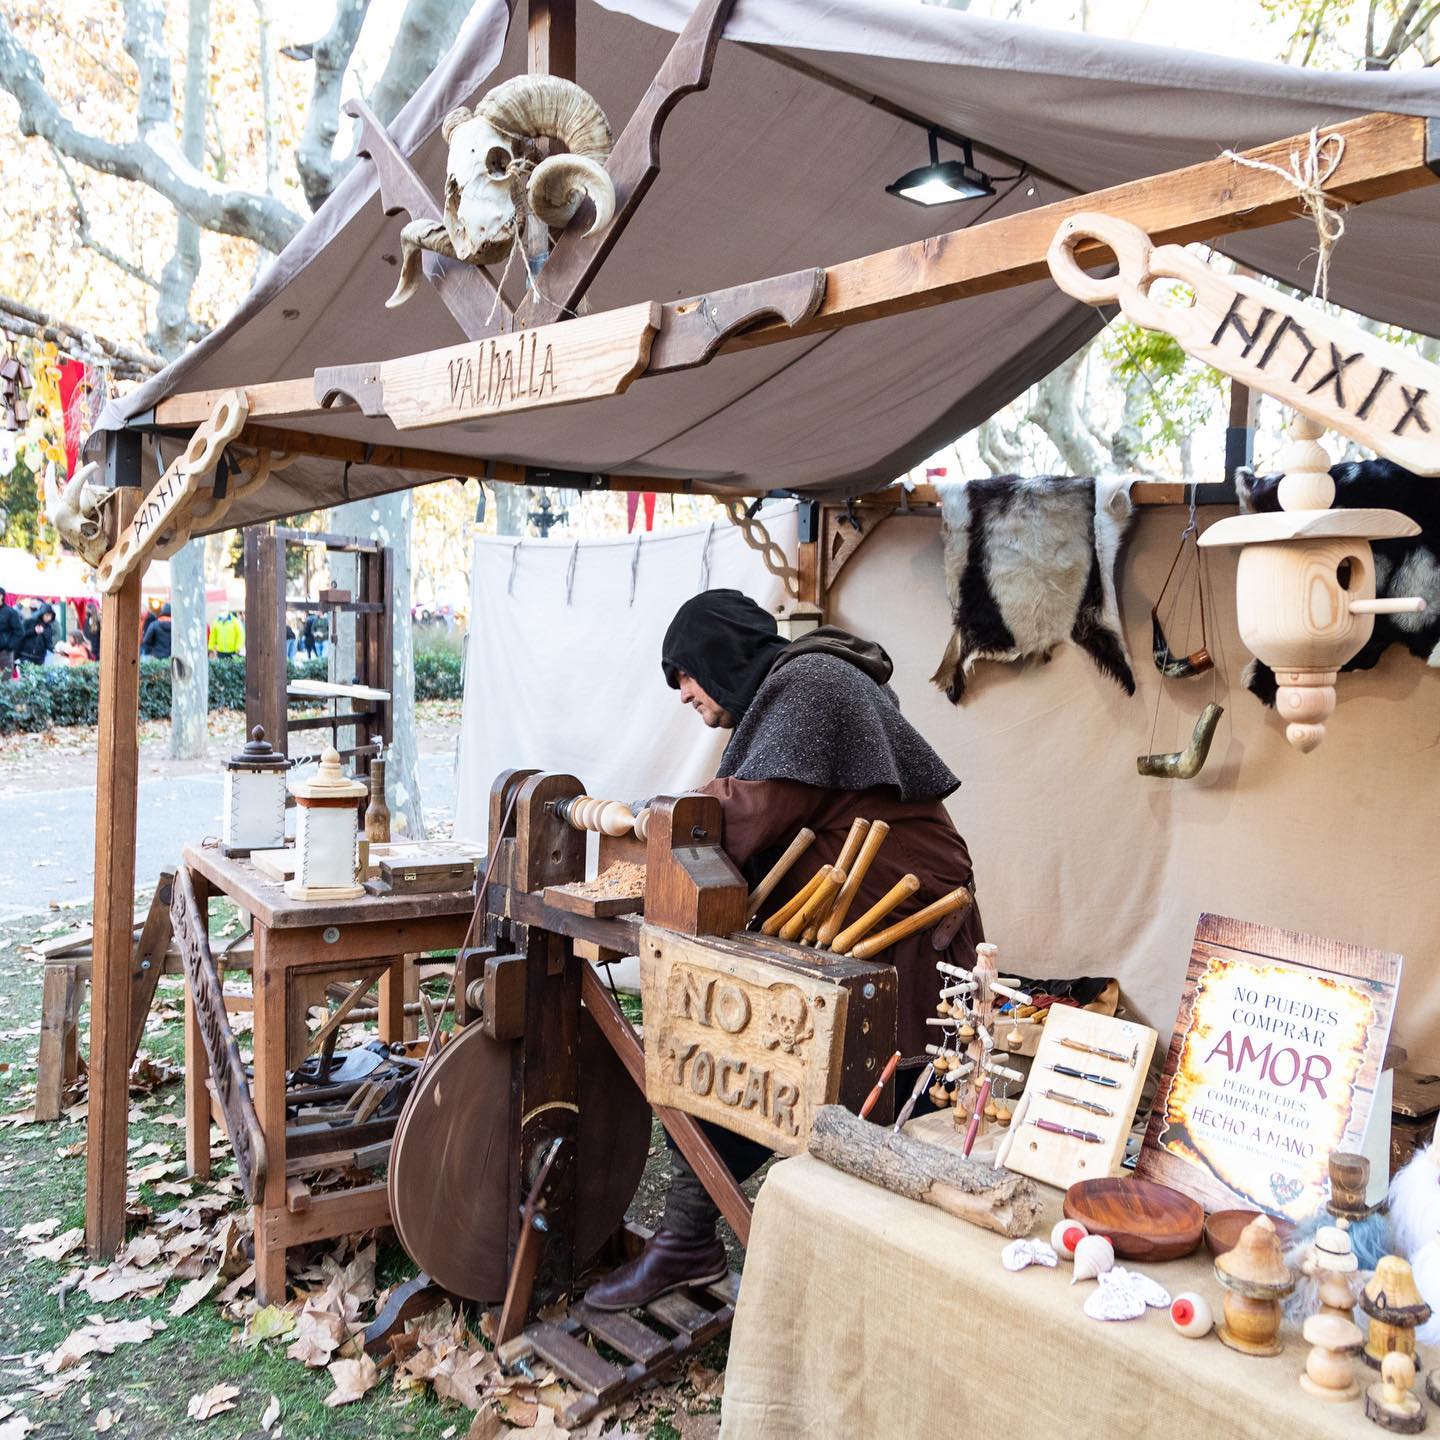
column 845, row 860
column 832, row 879
column 794, row 904
column 900, row 891
column 835, row 921
column 957, row 899
column 780, row 869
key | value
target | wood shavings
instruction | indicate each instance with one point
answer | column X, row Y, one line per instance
column 624, row 880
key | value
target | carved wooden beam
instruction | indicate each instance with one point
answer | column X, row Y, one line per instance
column 468, row 292
column 633, row 165
column 692, row 330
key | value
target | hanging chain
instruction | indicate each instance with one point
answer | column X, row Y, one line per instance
column 757, row 537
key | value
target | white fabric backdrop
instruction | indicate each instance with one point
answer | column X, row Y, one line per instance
column 563, row 670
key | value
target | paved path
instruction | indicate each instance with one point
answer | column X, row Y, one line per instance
column 49, row 852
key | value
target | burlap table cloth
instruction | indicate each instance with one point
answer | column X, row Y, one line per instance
column 864, row 1314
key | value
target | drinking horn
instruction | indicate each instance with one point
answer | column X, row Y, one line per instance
column 1185, row 764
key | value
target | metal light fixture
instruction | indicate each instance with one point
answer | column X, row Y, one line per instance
column 943, row 182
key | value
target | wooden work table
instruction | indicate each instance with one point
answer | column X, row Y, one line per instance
column 299, row 948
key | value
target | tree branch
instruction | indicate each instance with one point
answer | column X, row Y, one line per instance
column 427, row 30
column 88, row 238
column 315, row 156
column 152, row 159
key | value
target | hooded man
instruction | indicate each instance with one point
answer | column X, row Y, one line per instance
column 817, row 739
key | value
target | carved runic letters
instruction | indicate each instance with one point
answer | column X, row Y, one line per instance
column 1342, row 376
column 735, row 1041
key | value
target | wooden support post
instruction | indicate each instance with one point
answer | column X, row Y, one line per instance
column 116, row 799
column 198, row 1108
column 552, row 38
column 269, row 980
column 62, row 979
column 1240, row 435
column 265, row 668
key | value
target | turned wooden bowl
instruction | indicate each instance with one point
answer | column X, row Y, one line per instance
column 1141, row 1219
column 1222, row 1229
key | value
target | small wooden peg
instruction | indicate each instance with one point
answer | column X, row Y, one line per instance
column 957, row 899
column 872, row 839
column 795, row 904
column 830, row 883
column 902, row 890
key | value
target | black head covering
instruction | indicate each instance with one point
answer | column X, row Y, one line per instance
column 725, row 641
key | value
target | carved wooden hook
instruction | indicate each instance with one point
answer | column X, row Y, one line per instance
column 1185, row 764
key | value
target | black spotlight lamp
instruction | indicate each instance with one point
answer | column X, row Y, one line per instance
column 943, row 182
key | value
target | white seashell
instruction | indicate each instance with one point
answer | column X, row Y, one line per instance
column 1114, row 1302
column 1191, row 1315
column 1066, row 1235
column 1094, row 1255
column 1020, row 1253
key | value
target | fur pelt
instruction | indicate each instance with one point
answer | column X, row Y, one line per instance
column 1408, row 566
column 1029, row 564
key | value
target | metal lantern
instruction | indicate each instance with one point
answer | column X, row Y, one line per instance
column 327, row 839
column 255, row 797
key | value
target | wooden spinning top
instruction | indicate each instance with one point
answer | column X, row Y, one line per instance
column 1328, row 1374
column 1390, row 1403
column 1395, row 1307
column 1256, row 1278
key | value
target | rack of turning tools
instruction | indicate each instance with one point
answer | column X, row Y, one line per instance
column 518, row 1155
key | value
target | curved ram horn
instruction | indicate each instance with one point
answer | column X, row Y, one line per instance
column 560, row 184
column 1185, row 764
column 532, row 106
column 458, row 116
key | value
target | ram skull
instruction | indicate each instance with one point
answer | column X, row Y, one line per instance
column 495, row 179
column 74, row 510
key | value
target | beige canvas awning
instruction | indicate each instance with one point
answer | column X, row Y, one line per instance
column 779, row 165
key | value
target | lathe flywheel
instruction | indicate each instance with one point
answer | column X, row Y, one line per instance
column 451, row 1183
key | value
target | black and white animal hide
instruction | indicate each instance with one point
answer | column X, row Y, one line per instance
column 1029, row 564
column 1409, row 566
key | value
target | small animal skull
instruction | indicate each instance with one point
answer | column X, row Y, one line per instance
column 495, row 178
column 787, row 1026
column 74, row 511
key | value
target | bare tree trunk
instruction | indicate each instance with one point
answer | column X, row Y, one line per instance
column 1056, row 409
column 189, row 661
column 1000, row 449
column 512, row 508
column 387, row 519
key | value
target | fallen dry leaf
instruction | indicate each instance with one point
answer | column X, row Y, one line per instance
column 38, row 1230
column 267, row 1323
column 49, row 1389
column 352, row 1379
column 214, row 1401
column 100, row 1335
column 103, row 1283
column 105, row 1419
column 487, row 1425
column 192, row 1294
column 17, row 1427
column 271, row 1415
column 58, row 1248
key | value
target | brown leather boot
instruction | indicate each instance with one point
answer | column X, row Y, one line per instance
column 666, row 1263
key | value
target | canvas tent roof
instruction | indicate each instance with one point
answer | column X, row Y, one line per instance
column 780, row 165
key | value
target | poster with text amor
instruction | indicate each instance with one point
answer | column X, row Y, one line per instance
column 1278, row 1045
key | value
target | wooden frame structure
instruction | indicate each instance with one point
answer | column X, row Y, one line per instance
column 1383, row 155
column 267, row 697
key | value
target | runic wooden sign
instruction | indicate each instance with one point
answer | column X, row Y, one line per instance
column 1277, row 1050
column 739, row 1042
column 1379, row 395
column 582, row 359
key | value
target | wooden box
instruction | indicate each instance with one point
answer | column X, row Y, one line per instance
column 756, row 1034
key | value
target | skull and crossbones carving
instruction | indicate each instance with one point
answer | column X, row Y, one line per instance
column 787, row 1021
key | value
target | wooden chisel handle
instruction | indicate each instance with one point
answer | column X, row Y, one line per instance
column 834, row 923
column 832, row 879
column 957, row 899
column 848, row 851
column 795, row 903
column 902, row 889
column 780, row 869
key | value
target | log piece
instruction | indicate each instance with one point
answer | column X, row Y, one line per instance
column 995, row 1199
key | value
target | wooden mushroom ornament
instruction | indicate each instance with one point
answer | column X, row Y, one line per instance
column 1395, row 1307
column 1328, row 1372
column 1305, row 583
column 1256, row 1279
column 1390, row 1402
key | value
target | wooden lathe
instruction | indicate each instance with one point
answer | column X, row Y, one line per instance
column 524, row 1141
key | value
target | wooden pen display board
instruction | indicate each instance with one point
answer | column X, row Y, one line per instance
column 1065, row 1159
column 738, row 1041
column 1273, row 1065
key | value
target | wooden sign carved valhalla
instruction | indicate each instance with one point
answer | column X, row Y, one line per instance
column 1277, row 1050
column 581, row 359
column 1382, row 396
column 748, row 1045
